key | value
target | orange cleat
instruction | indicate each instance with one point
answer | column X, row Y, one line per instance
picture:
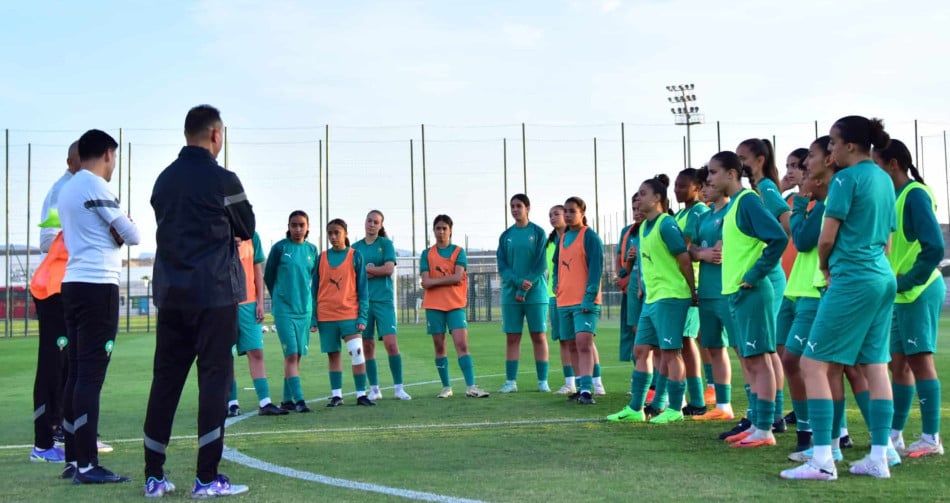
column 715, row 415
column 710, row 395
column 738, row 436
column 749, row 443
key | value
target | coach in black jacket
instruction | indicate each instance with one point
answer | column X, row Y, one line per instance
column 200, row 209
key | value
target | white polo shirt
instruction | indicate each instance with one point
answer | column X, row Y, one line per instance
column 86, row 210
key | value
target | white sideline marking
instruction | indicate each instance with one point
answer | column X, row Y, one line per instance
column 236, row 457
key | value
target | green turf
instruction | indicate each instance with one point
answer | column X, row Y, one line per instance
column 522, row 447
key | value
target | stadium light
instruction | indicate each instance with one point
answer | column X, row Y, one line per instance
column 686, row 115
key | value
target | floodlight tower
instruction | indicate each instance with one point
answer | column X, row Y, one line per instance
column 685, row 113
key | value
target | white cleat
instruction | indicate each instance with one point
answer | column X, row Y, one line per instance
column 402, row 395
column 599, row 389
column 810, row 471
column 869, row 466
column 566, row 390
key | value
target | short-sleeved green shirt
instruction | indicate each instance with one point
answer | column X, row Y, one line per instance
column 378, row 253
column 707, row 232
column 460, row 261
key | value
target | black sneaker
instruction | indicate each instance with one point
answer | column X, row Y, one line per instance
column 649, row 412
column 743, row 425
column 845, row 442
column 288, row 406
column 585, row 399
column 271, row 410
column 573, row 396
column 99, row 475
column 804, row 441
column 365, row 401
column 692, row 410
column 335, row 401
column 791, row 418
column 301, row 406
column 59, row 436
column 779, row 426
column 69, row 472
column 234, row 411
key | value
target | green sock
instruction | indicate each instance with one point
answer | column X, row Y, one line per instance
column 659, row 393
column 287, row 396
column 640, row 384
column 585, row 383
column 296, row 390
column 863, row 398
column 748, row 399
column 708, row 372
column 801, row 415
column 779, row 405
column 723, row 393
column 262, row 388
column 233, row 396
column 764, row 410
column 442, row 365
column 821, row 412
column 596, row 370
column 903, row 400
column 882, row 413
column 360, row 381
column 511, row 370
column 753, row 407
column 676, row 389
column 468, row 369
column 695, row 387
column 336, row 380
column 929, row 393
column 372, row 372
column 838, row 420
column 395, row 366
column 568, row 370
column 542, row 369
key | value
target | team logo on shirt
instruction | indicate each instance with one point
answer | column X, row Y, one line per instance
column 717, row 222
column 439, row 269
column 567, row 264
column 109, row 346
column 335, row 282
column 531, row 238
column 647, row 256
column 751, row 344
column 61, row 342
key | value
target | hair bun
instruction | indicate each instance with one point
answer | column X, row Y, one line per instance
column 879, row 137
column 662, row 178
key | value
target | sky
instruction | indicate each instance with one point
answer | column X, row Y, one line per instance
column 288, row 74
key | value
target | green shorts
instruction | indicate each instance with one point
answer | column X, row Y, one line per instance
column 798, row 332
column 294, row 334
column 691, row 325
column 250, row 334
column 572, row 320
column 853, row 323
column 915, row 325
column 332, row 332
column 716, row 328
column 661, row 323
column 626, row 331
column 513, row 317
column 553, row 320
column 382, row 318
column 439, row 322
column 783, row 323
column 777, row 278
column 752, row 312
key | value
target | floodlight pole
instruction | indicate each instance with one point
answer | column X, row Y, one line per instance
column 685, row 114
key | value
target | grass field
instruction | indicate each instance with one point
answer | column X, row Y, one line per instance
column 527, row 446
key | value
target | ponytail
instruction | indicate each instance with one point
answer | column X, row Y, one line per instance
column 552, row 237
column 762, row 148
column 382, row 218
column 576, row 201
column 896, row 150
column 659, row 185
column 863, row 132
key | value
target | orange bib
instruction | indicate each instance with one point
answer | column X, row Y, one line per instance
column 572, row 272
column 446, row 297
column 337, row 299
column 246, row 254
column 48, row 278
column 623, row 253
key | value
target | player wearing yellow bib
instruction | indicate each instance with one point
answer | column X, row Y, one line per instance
column 379, row 255
column 556, row 217
column 752, row 244
column 688, row 192
column 916, row 249
column 852, row 326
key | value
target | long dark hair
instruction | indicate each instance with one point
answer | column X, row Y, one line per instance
column 896, row 150
column 552, row 237
column 800, row 154
column 382, row 218
column 659, row 185
column 764, row 149
column 730, row 162
column 863, row 132
column 299, row 213
column 580, row 204
column 340, row 223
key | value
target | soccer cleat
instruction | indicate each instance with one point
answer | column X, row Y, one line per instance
column 220, row 486
column 573, row 396
column 709, row 396
column 791, row 418
column 98, row 475
column 899, row 445
column 272, row 410
column 52, row 455
column 155, row 488
column 59, row 436
column 742, row 435
column 364, row 401
column 375, row 395
column 599, row 389
column 69, row 472
column 809, row 453
column 627, row 415
column 691, row 410
column 566, row 390
column 715, row 415
column 868, row 466
column 892, row 457
column 924, row 447
column 667, row 416
column 649, row 412
column 335, row 401
column 803, row 441
column 288, row 406
column 743, row 425
column 585, row 398
column 402, row 395
column 810, row 471
column 543, row 387
column 749, row 442
column 103, row 448
column 234, row 411
column 474, row 391
column 509, row 387
column 301, row 406
column 779, row 426
column 445, row 393
column 845, row 442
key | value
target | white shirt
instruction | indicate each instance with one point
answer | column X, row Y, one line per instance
column 47, row 235
column 87, row 209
